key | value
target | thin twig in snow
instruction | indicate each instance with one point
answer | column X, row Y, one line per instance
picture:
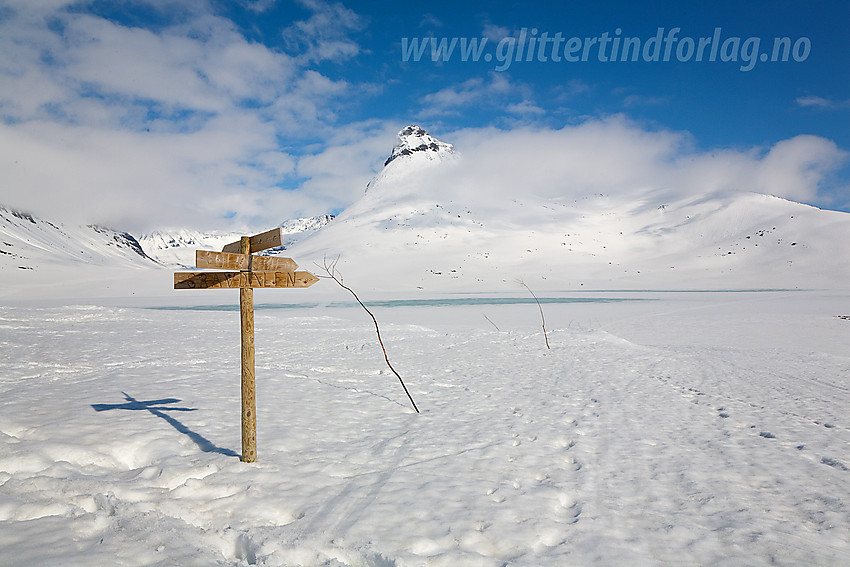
column 330, row 269
column 540, row 307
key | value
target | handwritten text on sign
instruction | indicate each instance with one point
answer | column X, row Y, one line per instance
column 225, row 261
column 228, row 280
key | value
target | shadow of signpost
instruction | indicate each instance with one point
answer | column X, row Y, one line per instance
column 158, row 408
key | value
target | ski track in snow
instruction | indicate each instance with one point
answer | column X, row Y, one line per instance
column 120, row 436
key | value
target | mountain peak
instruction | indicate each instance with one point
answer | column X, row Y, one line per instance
column 415, row 140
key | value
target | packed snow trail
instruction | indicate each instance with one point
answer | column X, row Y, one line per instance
column 599, row 451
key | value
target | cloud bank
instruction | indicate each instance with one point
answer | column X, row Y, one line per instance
column 616, row 156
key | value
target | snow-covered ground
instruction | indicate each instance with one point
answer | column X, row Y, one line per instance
column 675, row 429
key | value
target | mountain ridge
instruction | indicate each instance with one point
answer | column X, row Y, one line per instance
column 440, row 230
column 29, row 241
column 414, row 140
column 176, row 248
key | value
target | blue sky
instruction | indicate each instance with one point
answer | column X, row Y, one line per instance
column 145, row 114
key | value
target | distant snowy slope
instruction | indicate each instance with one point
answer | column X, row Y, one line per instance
column 177, row 247
column 42, row 260
column 420, row 226
column 30, row 243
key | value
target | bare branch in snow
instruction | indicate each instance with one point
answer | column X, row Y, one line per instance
column 330, row 270
column 542, row 318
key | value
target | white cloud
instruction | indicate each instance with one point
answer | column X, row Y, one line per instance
column 130, row 179
column 794, row 168
column 495, row 33
column 525, row 108
column 137, row 63
column 496, row 90
column 822, row 102
column 615, row 156
column 177, row 125
column 430, row 21
column 325, row 34
column 596, row 156
column 638, row 100
column 353, row 156
column 258, row 5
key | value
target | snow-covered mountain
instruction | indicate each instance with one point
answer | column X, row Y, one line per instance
column 421, row 226
column 416, row 150
column 177, row 247
column 424, row 223
column 43, row 259
column 30, row 243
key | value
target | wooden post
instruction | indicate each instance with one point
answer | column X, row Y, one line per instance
column 249, row 405
column 253, row 271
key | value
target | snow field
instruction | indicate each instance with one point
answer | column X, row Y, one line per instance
column 120, row 430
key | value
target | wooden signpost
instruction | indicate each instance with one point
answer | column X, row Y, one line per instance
column 253, row 272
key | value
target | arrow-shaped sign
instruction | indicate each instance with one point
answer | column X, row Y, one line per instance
column 230, row 280
column 263, row 241
column 228, row 261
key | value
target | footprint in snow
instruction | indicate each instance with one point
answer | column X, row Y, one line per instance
column 834, row 463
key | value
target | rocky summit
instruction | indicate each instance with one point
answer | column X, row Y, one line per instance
column 414, row 139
